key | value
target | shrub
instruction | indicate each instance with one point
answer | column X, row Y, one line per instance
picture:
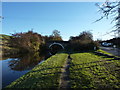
column 83, row 42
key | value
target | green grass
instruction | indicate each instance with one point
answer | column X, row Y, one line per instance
column 104, row 52
column 4, row 46
column 45, row 75
column 88, row 70
column 4, row 38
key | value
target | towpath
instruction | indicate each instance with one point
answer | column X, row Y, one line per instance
column 64, row 79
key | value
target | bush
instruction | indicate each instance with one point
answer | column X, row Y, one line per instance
column 83, row 47
column 83, row 42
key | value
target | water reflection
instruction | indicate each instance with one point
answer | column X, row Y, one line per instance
column 25, row 62
column 15, row 66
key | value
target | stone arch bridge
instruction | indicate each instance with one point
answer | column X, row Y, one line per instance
column 62, row 44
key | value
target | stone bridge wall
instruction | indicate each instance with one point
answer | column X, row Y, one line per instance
column 63, row 43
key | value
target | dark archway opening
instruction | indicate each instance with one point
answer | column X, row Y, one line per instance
column 55, row 48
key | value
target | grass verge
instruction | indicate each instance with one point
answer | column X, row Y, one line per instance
column 104, row 52
column 45, row 75
column 88, row 70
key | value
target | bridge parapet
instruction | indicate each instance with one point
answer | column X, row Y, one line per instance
column 61, row 43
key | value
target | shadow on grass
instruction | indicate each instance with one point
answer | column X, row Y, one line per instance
column 51, row 79
column 81, row 80
column 94, row 62
column 39, row 81
column 106, row 55
column 45, row 69
column 89, row 66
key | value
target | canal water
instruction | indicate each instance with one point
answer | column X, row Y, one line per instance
column 14, row 67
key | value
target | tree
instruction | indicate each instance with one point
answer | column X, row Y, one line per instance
column 56, row 33
column 84, row 36
column 55, row 36
column 82, row 42
column 111, row 9
column 28, row 41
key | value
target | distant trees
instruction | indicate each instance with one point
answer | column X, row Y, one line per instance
column 56, row 33
column 55, row 36
column 83, row 42
column 85, row 36
column 28, row 41
column 31, row 41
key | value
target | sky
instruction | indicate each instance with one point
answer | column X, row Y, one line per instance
column 70, row 18
column 56, row 0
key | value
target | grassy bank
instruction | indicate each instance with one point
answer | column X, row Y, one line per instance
column 45, row 75
column 104, row 52
column 5, row 49
column 88, row 70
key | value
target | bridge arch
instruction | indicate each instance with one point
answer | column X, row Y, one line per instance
column 56, row 44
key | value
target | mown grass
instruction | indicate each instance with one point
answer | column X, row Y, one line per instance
column 45, row 75
column 104, row 52
column 88, row 70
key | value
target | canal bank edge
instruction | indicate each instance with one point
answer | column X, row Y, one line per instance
column 85, row 69
column 45, row 75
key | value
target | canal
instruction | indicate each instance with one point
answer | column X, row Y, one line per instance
column 14, row 67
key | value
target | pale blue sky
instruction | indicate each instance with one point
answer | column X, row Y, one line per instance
column 70, row 18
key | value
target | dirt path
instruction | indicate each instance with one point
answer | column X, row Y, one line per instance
column 64, row 79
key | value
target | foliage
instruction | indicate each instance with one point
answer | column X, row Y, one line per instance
column 28, row 41
column 43, row 48
column 55, row 36
column 83, row 42
column 88, row 70
column 45, row 75
column 85, row 35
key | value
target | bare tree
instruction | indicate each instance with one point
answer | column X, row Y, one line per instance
column 111, row 9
